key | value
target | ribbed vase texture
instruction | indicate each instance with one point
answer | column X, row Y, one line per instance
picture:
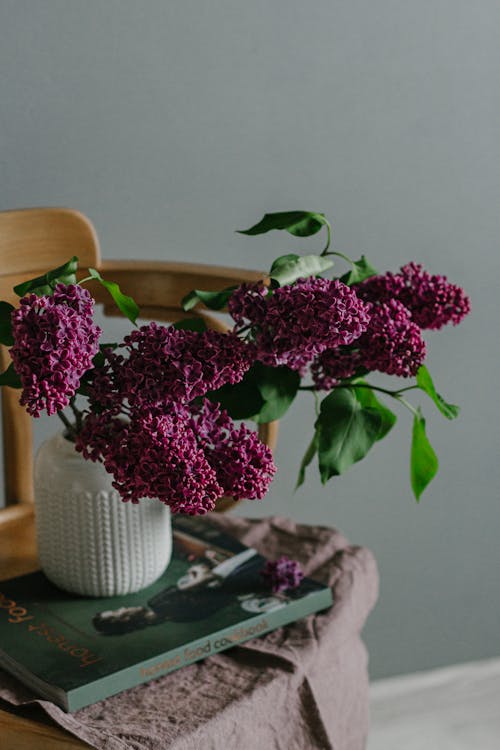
column 90, row 542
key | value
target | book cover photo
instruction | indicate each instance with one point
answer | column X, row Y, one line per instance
column 75, row 650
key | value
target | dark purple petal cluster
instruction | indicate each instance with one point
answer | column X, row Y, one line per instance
column 55, row 341
column 191, row 453
column 104, row 390
column 243, row 464
column 334, row 365
column 282, row 574
column 392, row 344
column 165, row 364
column 248, row 304
column 76, row 297
column 153, row 457
column 296, row 323
column 431, row 299
column 187, row 457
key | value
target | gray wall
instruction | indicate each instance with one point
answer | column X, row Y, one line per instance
column 172, row 124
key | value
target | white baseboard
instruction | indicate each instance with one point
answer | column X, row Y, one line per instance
column 456, row 708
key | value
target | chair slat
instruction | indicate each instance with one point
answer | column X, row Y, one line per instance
column 34, row 239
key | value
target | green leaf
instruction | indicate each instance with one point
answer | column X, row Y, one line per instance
column 300, row 268
column 346, row 431
column 10, row 377
column 367, row 398
column 424, row 382
column 361, row 270
column 191, row 324
column 278, row 387
column 264, row 394
column 45, row 284
column 308, row 457
column 124, row 303
column 212, row 300
column 424, row 463
column 6, row 336
column 298, row 223
column 283, row 260
column 241, row 401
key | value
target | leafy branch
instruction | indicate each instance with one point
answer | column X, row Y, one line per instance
column 352, row 420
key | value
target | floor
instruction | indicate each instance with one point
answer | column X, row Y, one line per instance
column 457, row 708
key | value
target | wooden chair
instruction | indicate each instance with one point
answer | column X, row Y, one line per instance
column 31, row 242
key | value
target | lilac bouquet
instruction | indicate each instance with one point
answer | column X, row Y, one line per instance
column 159, row 409
column 316, row 334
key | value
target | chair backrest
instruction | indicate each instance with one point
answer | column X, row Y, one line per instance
column 34, row 240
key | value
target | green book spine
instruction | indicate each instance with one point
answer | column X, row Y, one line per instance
column 195, row 651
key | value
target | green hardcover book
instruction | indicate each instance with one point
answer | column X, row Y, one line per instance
column 76, row 651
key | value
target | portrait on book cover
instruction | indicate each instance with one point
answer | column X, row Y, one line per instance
column 215, row 578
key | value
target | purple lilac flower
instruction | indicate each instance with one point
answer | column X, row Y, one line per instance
column 166, row 364
column 243, row 464
column 299, row 322
column 432, row 300
column 188, row 456
column 153, row 457
column 55, row 341
column 392, row 344
column 248, row 303
column 334, row 365
column 283, row 574
column 104, row 389
column 74, row 296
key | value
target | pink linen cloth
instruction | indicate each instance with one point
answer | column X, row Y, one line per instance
column 301, row 687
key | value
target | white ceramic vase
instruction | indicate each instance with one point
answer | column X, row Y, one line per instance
column 90, row 542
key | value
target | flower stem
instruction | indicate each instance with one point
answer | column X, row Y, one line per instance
column 77, row 413
column 408, row 405
column 393, row 394
column 329, row 237
column 70, row 428
column 409, row 388
column 341, row 255
column 316, row 402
